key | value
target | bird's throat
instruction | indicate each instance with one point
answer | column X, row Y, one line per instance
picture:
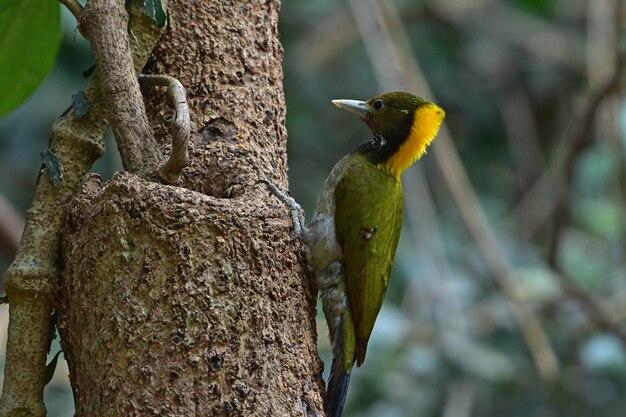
column 426, row 122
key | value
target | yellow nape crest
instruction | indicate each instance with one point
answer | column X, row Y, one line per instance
column 426, row 123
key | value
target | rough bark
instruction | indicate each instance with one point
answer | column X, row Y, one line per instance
column 228, row 57
column 30, row 280
column 195, row 300
column 105, row 24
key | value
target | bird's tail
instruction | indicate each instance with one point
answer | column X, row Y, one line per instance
column 339, row 378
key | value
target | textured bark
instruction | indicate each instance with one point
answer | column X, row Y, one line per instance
column 228, row 57
column 105, row 24
column 195, row 300
column 31, row 278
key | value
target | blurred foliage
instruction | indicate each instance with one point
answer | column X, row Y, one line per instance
column 512, row 76
column 446, row 343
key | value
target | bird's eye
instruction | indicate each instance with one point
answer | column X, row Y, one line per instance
column 378, row 104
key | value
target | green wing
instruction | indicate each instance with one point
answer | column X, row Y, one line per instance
column 368, row 218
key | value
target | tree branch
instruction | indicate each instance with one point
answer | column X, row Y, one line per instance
column 105, row 24
column 74, row 7
column 77, row 141
column 580, row 141
column 596, row 314
column 180, row 127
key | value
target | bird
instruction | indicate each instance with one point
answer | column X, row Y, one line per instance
column 355, row 227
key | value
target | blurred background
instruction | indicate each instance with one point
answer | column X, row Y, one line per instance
column 508, row 295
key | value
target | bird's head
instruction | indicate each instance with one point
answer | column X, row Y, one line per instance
column 403, row 126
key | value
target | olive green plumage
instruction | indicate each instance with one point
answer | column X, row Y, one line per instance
column 368, row 219
column 354, row 231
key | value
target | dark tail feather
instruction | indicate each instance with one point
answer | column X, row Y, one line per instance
column 338, row 380
column 337, row 388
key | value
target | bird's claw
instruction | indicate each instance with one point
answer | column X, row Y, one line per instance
column 297, row 214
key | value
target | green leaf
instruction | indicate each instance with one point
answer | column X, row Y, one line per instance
column 30, row 34
column 154, row 10
column 51, row 367
column 4, row 299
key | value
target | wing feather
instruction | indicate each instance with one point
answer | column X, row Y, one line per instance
column 368, row 219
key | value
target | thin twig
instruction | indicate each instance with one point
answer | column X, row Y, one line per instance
column 521, row 134
column 544, row 197
column 74, row 7
column 582, row 137
column 594, row 312
column 580, row 141
column 392, row 39
column 180, row 127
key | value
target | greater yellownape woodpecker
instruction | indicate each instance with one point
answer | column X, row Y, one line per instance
column 354, row 231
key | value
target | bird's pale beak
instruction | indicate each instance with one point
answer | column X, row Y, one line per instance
column 360, row 108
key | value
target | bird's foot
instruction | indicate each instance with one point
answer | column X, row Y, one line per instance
column 297, row 214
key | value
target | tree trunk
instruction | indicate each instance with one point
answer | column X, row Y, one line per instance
column 195, row 300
